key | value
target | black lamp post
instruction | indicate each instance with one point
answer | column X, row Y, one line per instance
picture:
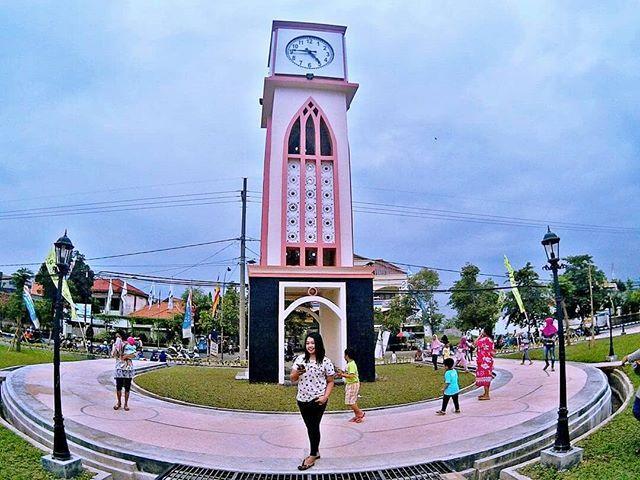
column 63, row 248
column 612, row 354
column 551, row 243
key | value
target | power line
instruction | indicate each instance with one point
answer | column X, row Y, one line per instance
column 120, row 189
column 473, row 217
column 439, row 269
column 205, row 259
column 451, row 290
column 179, row 247
column 122, row 208
column 162, row 280
column 113, row 202
column 419, row 212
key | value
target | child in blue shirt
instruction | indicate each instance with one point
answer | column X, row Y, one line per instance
column 451, row 387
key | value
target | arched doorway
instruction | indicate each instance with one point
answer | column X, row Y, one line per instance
column 329, row 308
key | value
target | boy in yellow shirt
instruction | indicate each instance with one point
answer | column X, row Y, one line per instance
column 352, row 386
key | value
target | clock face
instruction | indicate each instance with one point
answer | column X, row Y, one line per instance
column 309, row 52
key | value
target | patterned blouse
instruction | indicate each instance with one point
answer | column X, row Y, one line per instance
column 124, row 368
column 313, row 383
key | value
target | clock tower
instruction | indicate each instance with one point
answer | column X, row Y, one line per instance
column 306, row 251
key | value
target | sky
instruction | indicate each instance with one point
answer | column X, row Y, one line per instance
column 497, row 111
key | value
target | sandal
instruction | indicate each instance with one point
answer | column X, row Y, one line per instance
column 307, row 466
column 116, row 407
column 126, row 408
column 440, row 412
column 353, row 419
column 360, row 419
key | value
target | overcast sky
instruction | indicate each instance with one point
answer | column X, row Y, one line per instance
column 523, row 110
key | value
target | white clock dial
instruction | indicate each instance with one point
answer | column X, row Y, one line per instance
column 309, row 52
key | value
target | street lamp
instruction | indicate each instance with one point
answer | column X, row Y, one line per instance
column 551, row 244
column 63, row 248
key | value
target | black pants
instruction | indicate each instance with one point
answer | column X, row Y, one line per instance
column 312, row 415
column 445, row 402
column 123, row 382
column 434, row 359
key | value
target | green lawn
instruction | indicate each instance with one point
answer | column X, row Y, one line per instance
column 582, row 352
column 609, row 454
column 20, row 460
column 217, row 387
column 31, row 356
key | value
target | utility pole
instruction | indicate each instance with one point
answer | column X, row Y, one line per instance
column 242, row 321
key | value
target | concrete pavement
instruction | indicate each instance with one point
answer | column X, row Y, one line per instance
column 524, row 399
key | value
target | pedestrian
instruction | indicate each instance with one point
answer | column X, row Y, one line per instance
column 635, row 359
column 461, row 356
column 549, row 335
column 524, row 344
column 352, row 386
column 394, row 357
column 450, row 389
column 472, row 347
column 484, row 362
column 123, row 370
column 463, row 345
column 314, row 373
column 446, row 351
column 436, row 347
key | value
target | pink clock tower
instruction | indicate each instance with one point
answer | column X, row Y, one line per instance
column 306, row 252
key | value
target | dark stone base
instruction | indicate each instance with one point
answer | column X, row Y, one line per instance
column 263, row 325
column 62, row 468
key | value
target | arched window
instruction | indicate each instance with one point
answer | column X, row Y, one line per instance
column 310, row 196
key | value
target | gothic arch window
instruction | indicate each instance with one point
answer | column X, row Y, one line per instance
column 310, row 178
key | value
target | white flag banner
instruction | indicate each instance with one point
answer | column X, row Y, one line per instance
column 123, row 295
column 171, row 297
column 107, row 305
column 151, row 295
column 188, row 319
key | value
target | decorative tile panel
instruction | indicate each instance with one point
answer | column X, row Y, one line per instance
column 293, row 201
column 327, row 195
column 310, row 213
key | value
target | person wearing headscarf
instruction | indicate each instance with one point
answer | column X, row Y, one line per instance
column 436, row 348
column 549, row 336
column 484, row 362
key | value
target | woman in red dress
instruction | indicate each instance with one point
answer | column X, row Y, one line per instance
column 484, row 362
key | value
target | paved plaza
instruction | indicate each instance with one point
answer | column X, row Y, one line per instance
column 524, row 400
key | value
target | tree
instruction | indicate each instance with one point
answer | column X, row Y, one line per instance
column 423, row 283
column 81, row 278
column 15, row 307
column 400, row 307
column 536, row 300
column 477, row 305
column 631, row 301
column 574, row 286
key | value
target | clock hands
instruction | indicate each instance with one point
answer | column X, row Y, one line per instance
column 311, row 53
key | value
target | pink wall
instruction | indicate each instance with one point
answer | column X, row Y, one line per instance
column 286, row 103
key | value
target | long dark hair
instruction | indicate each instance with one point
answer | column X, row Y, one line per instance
column 319, row 347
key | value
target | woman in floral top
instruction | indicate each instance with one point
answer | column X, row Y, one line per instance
column 484, row 362
column 123, row 371
column 314, row 373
